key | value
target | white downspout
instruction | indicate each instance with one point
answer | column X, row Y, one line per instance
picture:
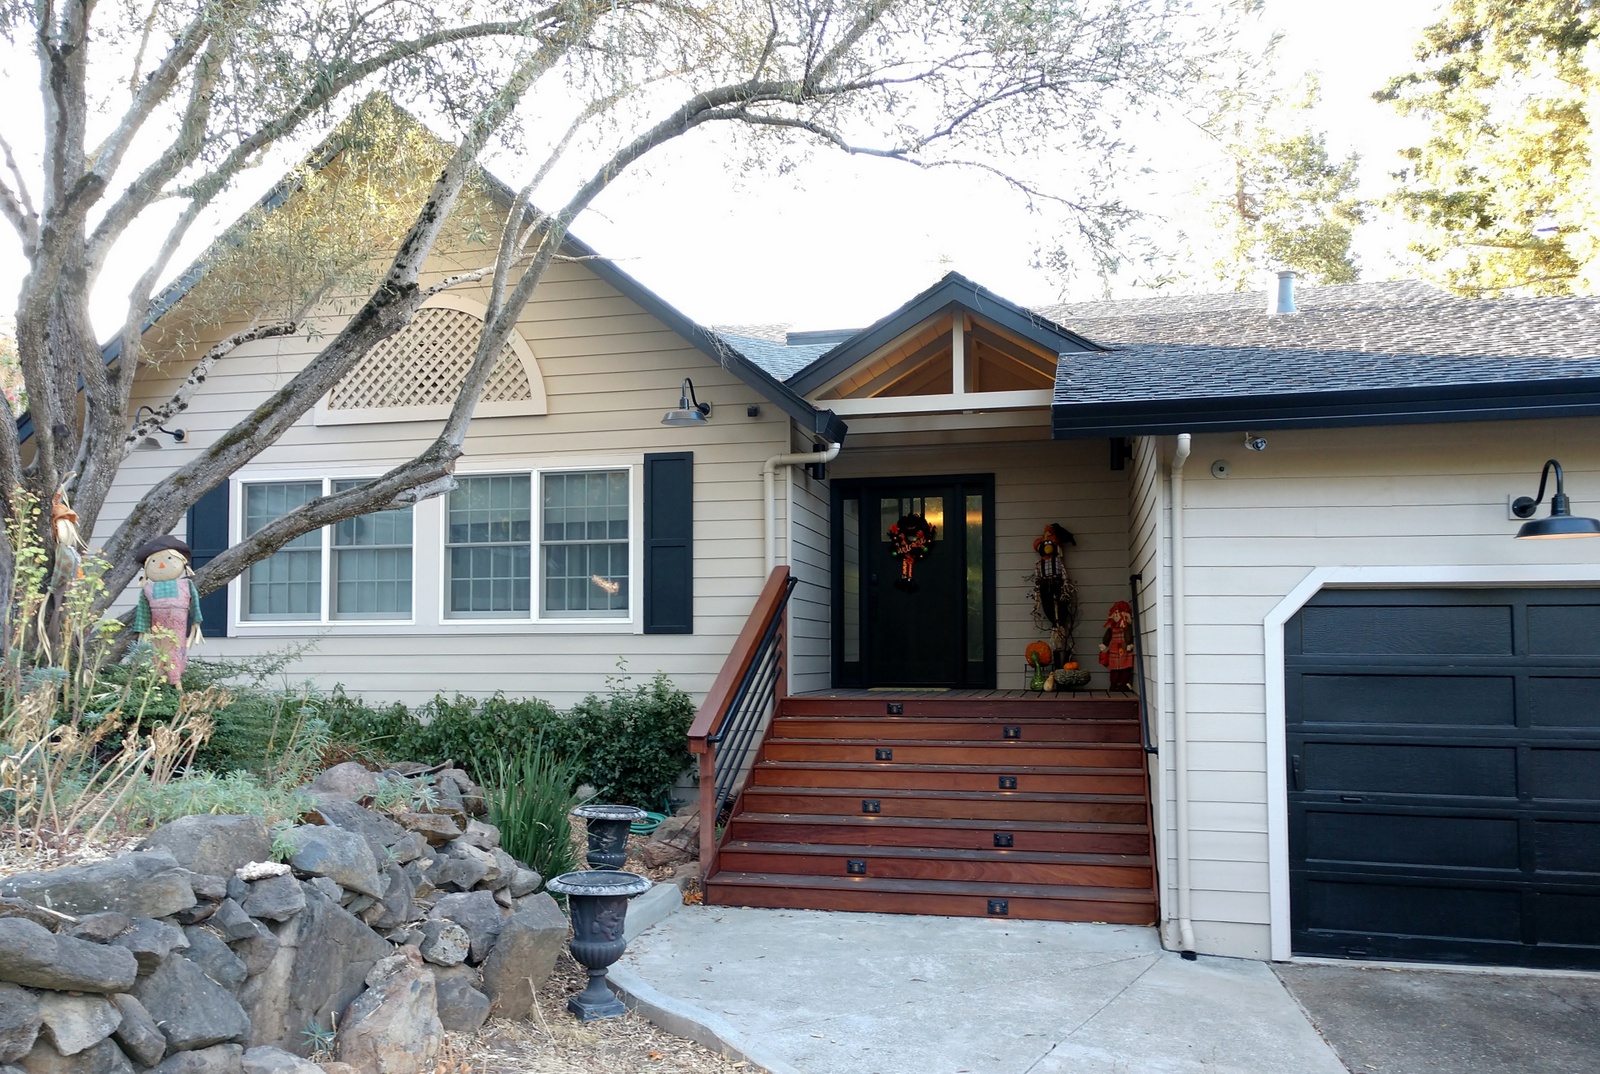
column 769, row 473
column 1180, row 703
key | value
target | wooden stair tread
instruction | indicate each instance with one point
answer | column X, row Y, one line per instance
column 1033, row 857
column 1097, row 827
column 1004, row 743
column 957, row 769
column 965, row 796
column 1138, row 896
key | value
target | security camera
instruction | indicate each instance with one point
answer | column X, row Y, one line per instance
column 1255, row 443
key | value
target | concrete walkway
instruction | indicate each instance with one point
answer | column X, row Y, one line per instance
column 810, row 992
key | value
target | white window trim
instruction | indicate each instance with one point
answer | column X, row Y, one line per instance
column 241, row 625
column 1525, row 574
column 631, row 623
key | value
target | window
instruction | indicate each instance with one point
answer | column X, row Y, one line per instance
column 583, row 540
column 368, row 560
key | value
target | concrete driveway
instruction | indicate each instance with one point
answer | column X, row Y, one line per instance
column 1413, row 1020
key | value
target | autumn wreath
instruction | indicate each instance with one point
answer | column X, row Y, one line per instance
column 910, row 539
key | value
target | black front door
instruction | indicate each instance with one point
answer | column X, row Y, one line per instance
column 926, row 622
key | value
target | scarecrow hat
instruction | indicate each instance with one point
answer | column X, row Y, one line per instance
column 1056, row 534
column 162, row 544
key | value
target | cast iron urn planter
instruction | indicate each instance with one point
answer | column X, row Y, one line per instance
column 608, row 832
column 598, row 901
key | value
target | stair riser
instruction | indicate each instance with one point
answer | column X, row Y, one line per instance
column 995, row 871
column 892, row 728
column 764, row 800
column 884, row 777
column 885, row 833
column 864, row 900
column 965, row 709
column 996, row 754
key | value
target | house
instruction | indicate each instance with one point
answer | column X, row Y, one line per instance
column 1365, row 720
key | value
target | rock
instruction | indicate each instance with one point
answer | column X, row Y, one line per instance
column 215, row 958
column 99, row 928
column 138, row 1033
column 410, row 847
column 436, row 828
column 502, row 897
column 74, row 1023
column 524, row 882
column 277, row 898
column 217, row 1059
column 472, row 795
column 233, row 923
column 192, row 1010
column 265, row 1060
column 151, row 942
column 476, row 912
column 350, row 780
column 380, row 832
column 41, row 959
column 260, row 870
column 505, row 867
column 659, row 855
column 689, row 870
column 393, row 1027
column 481, row 834
column 523, row 957
column 341, row 856
column 212, row 843
column 396, row 907
column 335, row 1067
column 256, row 951
column 333, row 891
column 357, row 903
column 19, row 1022
column 28, row 912
column 103, row 1058
column 323, row 957
column 465, row 865
column 208, row 887
column 450, row 800
column 462, row 1008
column 238, row 888
column 444, row 943
column 681, row 828
column 149, row 884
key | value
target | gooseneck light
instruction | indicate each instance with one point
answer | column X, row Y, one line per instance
column 1562, row 522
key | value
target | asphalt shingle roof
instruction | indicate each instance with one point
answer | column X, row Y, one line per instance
column 781, row 359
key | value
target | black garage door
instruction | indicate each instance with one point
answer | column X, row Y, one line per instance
column 1444, row 775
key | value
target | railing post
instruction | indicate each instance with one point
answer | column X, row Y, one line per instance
column 708, row 811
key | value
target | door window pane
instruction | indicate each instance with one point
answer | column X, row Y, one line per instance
column 372, row 564
column 584, row 543
column 975, row 630
column 287, row 585
column 850, row 586
column 488, row 546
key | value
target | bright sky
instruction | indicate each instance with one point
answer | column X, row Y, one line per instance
column 840, row 241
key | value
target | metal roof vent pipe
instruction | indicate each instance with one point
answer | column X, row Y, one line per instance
column 1280, row 299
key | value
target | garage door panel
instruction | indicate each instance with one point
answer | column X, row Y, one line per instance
column 1567, row 846
column 1454, row 771
column 1459, row 700
column 1413, row 910
column 1564, row 701
column 1417, row 841
column 1484, row 630
column 1566, row 774
column 1569, row 918
column 1563, row 630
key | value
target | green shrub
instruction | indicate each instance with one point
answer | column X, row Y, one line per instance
column 632, row 744
column 474, row 733
column 530, row 794
column 377, row 735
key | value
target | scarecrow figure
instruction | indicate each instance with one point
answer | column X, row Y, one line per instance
column 1055, row 598
column 168, row 612
column 1116, row 645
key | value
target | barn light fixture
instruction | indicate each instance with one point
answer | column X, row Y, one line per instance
column 1562, row 522
column 149, row 441
column 691, row 411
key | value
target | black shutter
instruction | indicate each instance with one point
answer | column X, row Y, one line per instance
column 669, row 543
column 208, row 537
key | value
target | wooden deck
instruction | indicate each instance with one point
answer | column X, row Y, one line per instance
column 895, row 693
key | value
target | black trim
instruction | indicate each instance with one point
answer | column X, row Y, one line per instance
column 1330, row 410
column 207, row 528
column 669, row 543
column 954, row 291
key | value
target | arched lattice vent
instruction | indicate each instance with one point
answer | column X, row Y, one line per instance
column 417, row 372
column 423, row 365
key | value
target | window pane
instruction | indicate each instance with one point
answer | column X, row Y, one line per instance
column 372, row 564
column 975, row 631
column 584, row 543
column 288, row 585
column 490, row 560
column 851, row 583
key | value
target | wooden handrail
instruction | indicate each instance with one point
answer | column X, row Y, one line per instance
column 714, row 709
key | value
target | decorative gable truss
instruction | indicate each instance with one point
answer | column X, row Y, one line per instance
column 416, row 374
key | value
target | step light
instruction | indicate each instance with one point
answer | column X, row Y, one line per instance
column 1003, row 840
column 1008, row 783
column 1012, row 731
column 855, row 867
column 871, row 805
column 999, row 907
column 883, row 753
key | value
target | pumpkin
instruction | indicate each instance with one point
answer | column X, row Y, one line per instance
column 1070, row 665
column 1039, row 652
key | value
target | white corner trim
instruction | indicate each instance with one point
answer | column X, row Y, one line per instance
column 1320, row 578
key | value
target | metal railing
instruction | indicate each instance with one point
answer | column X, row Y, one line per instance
column 1138, row 662
column 729, row 727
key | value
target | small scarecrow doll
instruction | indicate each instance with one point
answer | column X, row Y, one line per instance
column 1116, row 645
column 168, row 612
